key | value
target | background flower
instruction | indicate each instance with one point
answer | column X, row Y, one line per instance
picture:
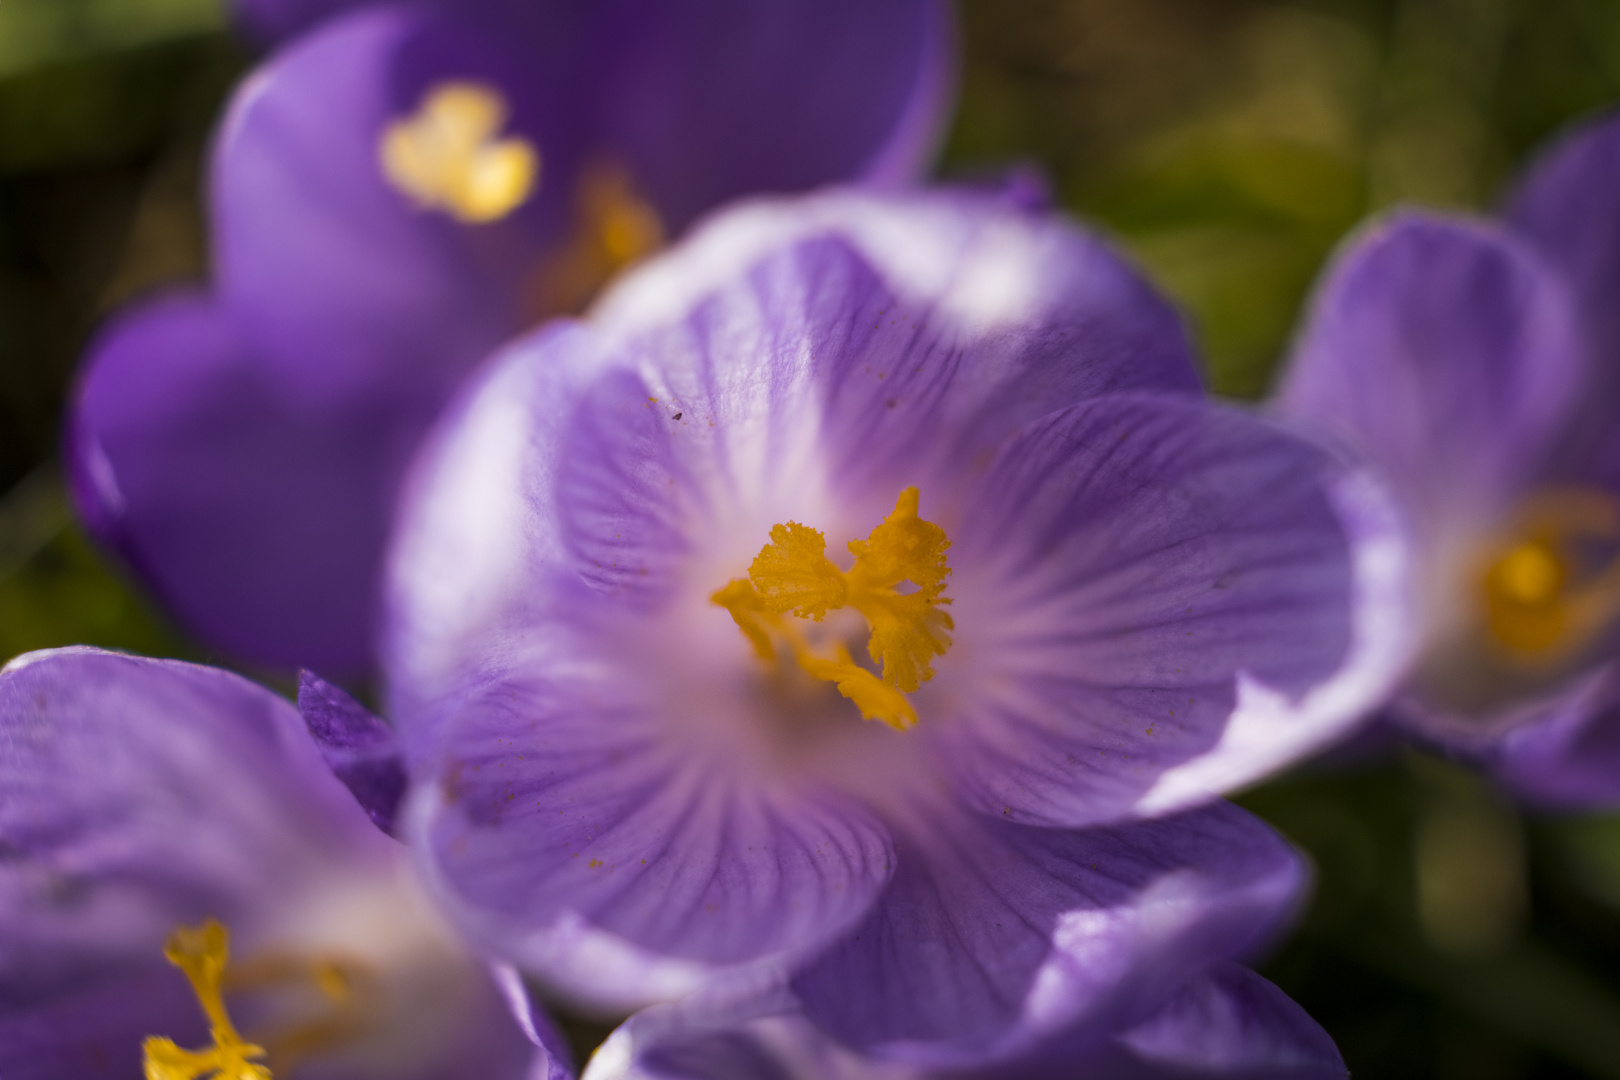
column 141, row 796
column 1464, row 362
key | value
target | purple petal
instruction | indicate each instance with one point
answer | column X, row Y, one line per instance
column 1162, row 600
column 363, row 751
column 1226, row 1023
column 1446, row 352
column 713, row 99
column 261, row 526
column 1231, row 1023
column 348, row 289
column 1568, row 208
column 1565, row 753
column 573, row 837
column 92, row 1027
column 993, row 938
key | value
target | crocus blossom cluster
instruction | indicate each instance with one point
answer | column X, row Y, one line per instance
column 184, row 885
column 395, row 193
column 1475, row 364
column 865, row 600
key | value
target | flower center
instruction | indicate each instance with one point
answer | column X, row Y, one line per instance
column 792, row 575
column 203, row 953
column 1554, row 585
column 447, row 157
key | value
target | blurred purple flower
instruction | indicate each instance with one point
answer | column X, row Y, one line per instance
column 396, row 193
column 140, row 797
column 1478, row 366
column 637, row 769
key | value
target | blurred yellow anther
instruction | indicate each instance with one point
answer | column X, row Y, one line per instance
column 614, row 227
column 447, row 156
column 202, row 953
column 1555, row 584
column 793, row 576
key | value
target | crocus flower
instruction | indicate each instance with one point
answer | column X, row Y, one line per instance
column 396, row 193
column 1226, row 1023
column 839, row 599
column 183, row 882
column 1475, row 363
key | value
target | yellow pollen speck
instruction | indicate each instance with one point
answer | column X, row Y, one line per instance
column 793, row 576
column 202, row 953
column 447, row 156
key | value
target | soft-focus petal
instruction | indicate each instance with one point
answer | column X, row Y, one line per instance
column 259, row 524
column 347, row 287
column 1233, row 1024
column 1224, row 1024
column 363, row 751
column 994, row 937
column 713, row 99
column 137, row 796
column 1447, row 353
column 1563, row 753
column 1161, row 601
column 574, row 838
column 1568, row 207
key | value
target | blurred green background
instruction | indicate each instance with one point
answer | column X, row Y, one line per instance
column 1228, row 144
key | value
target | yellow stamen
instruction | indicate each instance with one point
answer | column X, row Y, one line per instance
column 202, row 953
column 447, row 155
column 613, row 228
column 1540, row 604
column 793, row 576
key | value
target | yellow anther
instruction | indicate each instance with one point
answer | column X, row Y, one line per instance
column 447, row 156
column 793, row 576
column 793, row 573
column 614, row 226
column 1545, row 593
column 202, row 953
column 1530, row 575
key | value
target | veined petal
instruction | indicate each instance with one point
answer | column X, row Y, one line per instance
column 1158, row 601
column 994, row 938
column 622, row 870
column 363, row 751
column 1447, row 353
column 259, row 524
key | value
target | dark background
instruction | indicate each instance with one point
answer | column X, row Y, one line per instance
column 1228, row 144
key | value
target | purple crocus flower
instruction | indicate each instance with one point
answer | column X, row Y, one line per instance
column 1475, row 363
column 624, row 633
column 396, row 193
column 150, row 806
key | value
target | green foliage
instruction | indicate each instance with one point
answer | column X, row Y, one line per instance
column 38, row 33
